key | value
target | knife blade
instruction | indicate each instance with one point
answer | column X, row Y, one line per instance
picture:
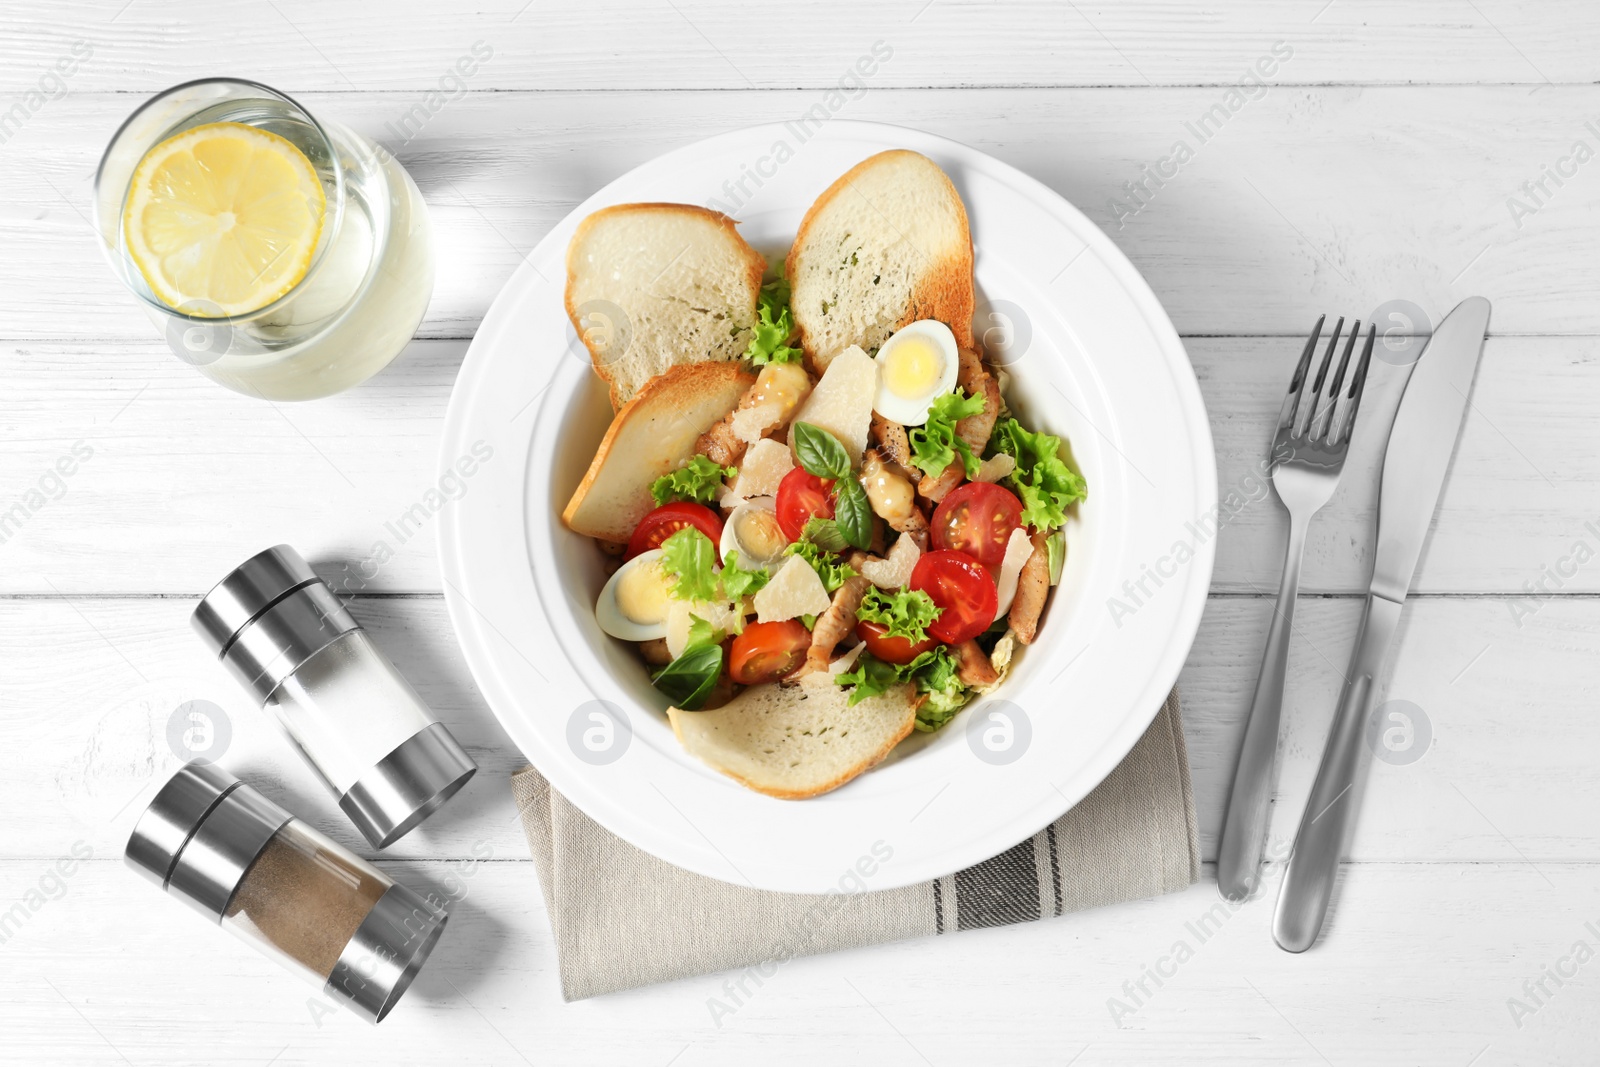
column 1415, row 463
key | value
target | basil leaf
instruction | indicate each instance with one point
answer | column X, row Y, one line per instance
column 852, row 513
column 688, row 680
column 826, row 534
column 819, row 452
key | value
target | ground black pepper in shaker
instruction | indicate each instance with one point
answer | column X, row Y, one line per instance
column 241, row 860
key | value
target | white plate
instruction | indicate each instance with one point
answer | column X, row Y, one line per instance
column 1101, row 365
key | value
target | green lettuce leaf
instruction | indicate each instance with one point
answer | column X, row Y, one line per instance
column 738, row 582
column 903, row 613
column 689, row 557
column 696, row 482
column 934, row 444
column 939, row 679
column 934, row 673
column 833, row 571
column 1042, row 480
column 773, row 326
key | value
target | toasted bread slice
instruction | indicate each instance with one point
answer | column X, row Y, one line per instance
column 885, row 245
column 653, row 434
column 652, row 286
column 798, row 741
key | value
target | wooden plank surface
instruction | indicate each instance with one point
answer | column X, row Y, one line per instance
column 1309, row 199
column 1418, row 974
column 1507, row 775
column 613, row 44
column 187, row 479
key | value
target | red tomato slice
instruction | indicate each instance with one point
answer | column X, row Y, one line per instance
column 667, row 520
column 963, row 591
column 801, row 497
column 767, row 651
column 977, row 518
column 894, row 650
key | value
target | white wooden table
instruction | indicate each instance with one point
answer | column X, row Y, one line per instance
column 1377, row 164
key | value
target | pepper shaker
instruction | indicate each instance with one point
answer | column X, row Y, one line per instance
column 284, row 635
column 242, row 861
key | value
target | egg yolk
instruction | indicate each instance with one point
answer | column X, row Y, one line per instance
column 911, row 368
column 642, row 593
column 759, row 535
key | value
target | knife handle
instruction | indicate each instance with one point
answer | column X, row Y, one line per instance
column 1331, row 808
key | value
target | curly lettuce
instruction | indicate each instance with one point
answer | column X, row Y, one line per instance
column 774, row 324
column 1042, row 480
column 903, row 613
column 935, row 444
column 696, row 482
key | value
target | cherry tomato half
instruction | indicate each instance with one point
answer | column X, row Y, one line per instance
column 767, row 651
column 895, row 650
column 963, row 591
column 801, row 497
column 667, row 520
column 977, row 518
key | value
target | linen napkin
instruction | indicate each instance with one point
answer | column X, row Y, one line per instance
column 623, row 918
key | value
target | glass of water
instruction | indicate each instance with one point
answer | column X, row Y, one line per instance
column 283, row 256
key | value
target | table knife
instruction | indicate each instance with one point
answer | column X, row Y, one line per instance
column 1421, row 442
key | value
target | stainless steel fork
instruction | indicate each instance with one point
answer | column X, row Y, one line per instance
column 1307, row 455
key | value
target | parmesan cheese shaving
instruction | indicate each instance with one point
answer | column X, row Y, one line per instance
column 996, row 467
column 763, row 468
column 893, row 572
column 842, row 401
column 794, row 591
column 1018, row 549
column 749, row 424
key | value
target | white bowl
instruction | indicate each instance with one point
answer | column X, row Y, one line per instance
column 1102, row 367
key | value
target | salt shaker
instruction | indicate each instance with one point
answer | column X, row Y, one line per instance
column 284, row 635
column 242, row 861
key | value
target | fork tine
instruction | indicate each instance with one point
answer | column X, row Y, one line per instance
column 1358, row 385
column 1287, row 412
column 1305, row 355
column 1327, row 356
column 1305, row 409
column 1344, row 361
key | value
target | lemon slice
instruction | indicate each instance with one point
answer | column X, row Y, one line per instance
column 223, row 219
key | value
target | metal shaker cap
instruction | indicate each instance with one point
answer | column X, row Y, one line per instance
column 408, row 785
column 268, row 616
column 200, row 834
column 386, row 952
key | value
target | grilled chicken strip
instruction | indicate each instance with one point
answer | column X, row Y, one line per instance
column 973, row 666
column 835, row 624
column 766, row 406
column 890, row 437
column 1033, row 586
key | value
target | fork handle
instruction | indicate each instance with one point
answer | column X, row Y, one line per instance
column 1244, row 831
column 1331, row 809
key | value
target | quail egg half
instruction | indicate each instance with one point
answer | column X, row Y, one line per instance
column 634, row 603
column 916, row 365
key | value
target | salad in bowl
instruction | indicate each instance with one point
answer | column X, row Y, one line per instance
column 828, row 529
